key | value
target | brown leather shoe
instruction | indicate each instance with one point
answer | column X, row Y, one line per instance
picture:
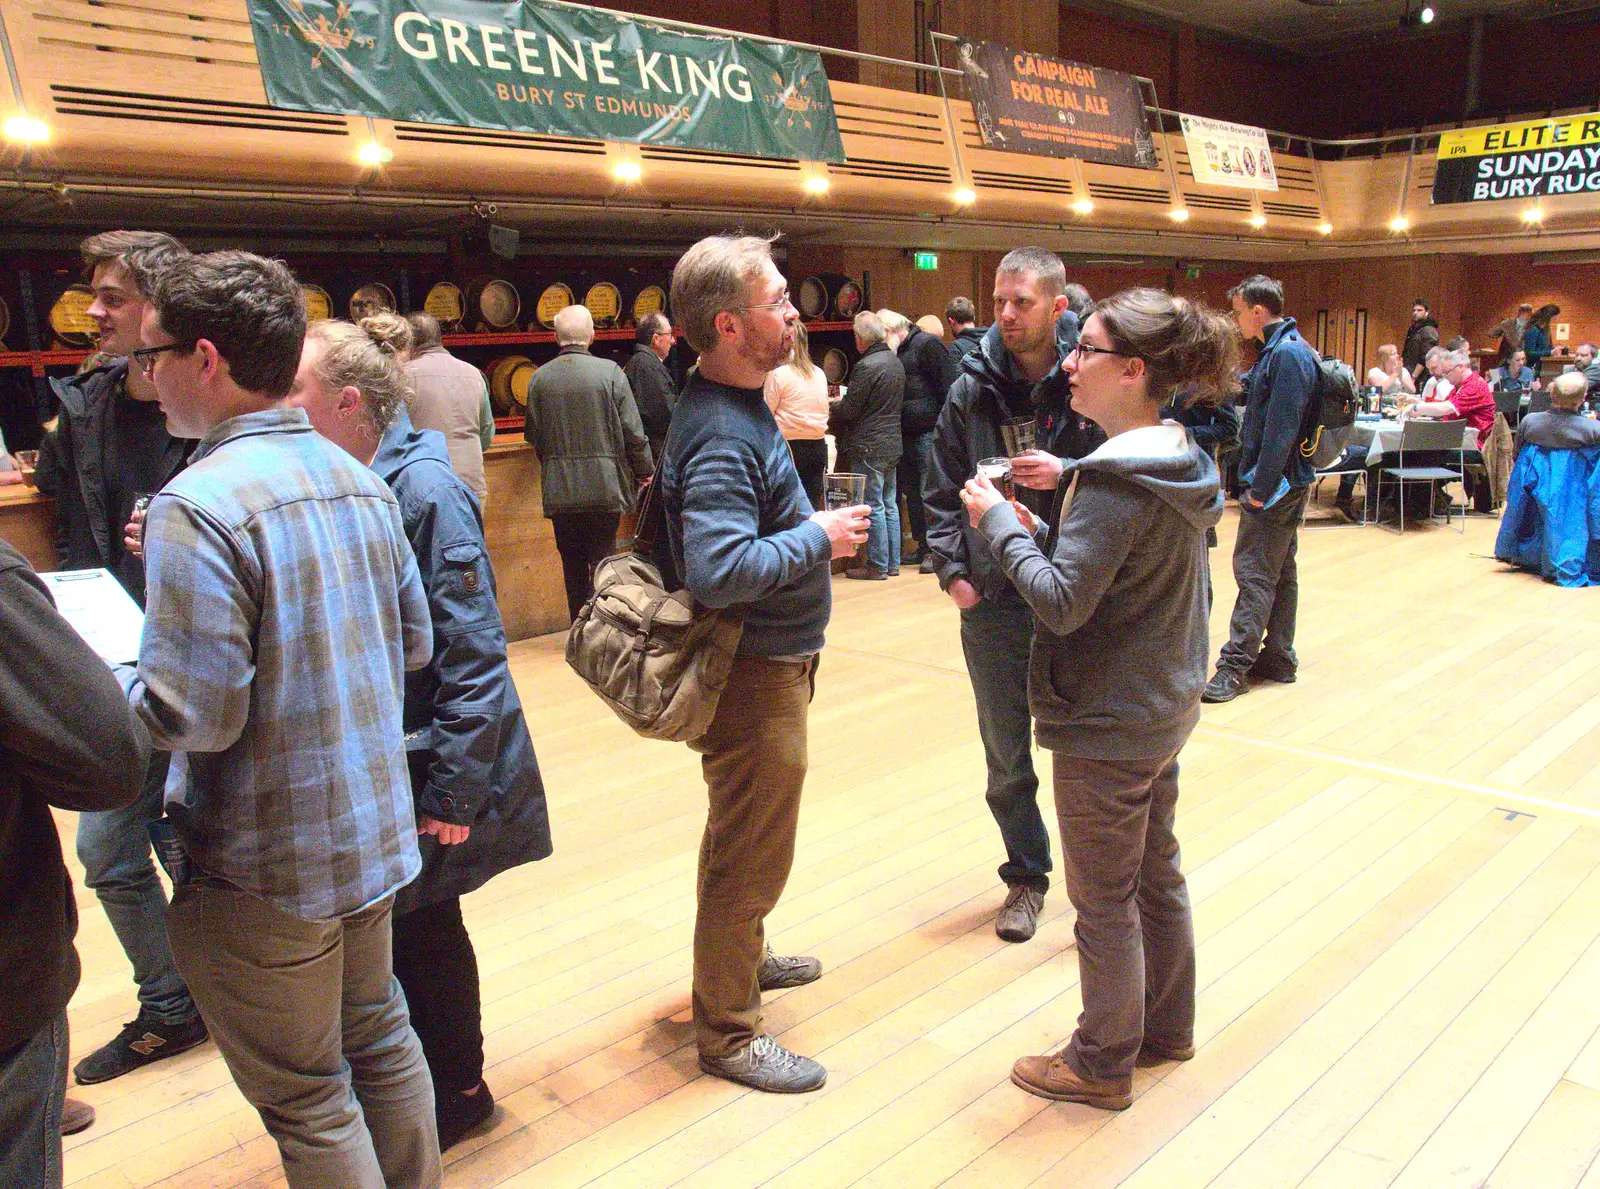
column 75, row 1116
column 1154, row 1053
column 1052, row 1077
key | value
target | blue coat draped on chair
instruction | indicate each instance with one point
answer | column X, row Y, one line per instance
column 1551, row 521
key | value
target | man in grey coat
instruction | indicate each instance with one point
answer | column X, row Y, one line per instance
column 585, row 427
column 867, row 424
column 653, row 390
column 451, row 397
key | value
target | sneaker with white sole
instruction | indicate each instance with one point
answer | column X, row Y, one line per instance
column 764, row 1064
column 777, row 971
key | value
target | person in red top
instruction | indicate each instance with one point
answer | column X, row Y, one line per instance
column 1470, row 399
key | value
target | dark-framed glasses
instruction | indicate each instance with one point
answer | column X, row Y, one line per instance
column 145, row 357
column 1084, row 348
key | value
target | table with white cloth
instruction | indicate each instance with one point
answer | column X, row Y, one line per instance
column 1383, row 437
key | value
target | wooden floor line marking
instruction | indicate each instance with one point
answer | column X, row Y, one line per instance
column 1501, row 798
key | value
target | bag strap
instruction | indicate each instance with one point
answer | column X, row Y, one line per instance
column 652, row 524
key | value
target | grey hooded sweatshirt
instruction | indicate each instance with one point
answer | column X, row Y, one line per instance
column 1121, row 593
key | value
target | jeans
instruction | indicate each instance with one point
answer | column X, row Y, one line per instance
column 313, row 1026
column 995, row 639
column 114, row 848
column 916, row 450
column 1269, row 586
column 1134, row 930
column 437, row 968
column 33, row 1085
column 753, row 757
column 584, row 540
column 811, row 460
column 883, row 538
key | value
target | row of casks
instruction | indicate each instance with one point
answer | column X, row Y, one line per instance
column 486, row 304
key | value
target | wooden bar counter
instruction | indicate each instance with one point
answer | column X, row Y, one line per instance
column 522, row 546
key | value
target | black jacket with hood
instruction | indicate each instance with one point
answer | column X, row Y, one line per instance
column 1120, row 593
column 94, row 458
column 866, row 420
column 968, row 339
column 988, row 392
column 929, row 373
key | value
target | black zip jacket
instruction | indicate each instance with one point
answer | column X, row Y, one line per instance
column 988, row 392
column 967, row 340
column 929, row 373
column 106, row 448
column 67, row 739
column 867, row 420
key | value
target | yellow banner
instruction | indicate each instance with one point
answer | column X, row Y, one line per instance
column 1558, row 133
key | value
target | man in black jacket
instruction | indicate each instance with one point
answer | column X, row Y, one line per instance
column 69, row 740
column 929, row 373
column 1421, row 337
column 112, row 445
column 1016, row 373
column 966, row 336
column 653, row 390
column 867, row 423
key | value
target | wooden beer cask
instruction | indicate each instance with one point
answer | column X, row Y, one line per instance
column 69, row 317
column 5, row 319
column 835, row 365
column 555, row 298
column 652, row 299
column 829, row 296
column 492, row 304
column 319, row 306
column 372, row 298
column 508, row 384
column 446, row 305
column 604, row 302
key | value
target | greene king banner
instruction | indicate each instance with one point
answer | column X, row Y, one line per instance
column 538, row 67
column 1224, row 154
column 1527, row 160
column 1027, row 104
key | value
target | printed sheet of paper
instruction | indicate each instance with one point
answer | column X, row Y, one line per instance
column 97, row 607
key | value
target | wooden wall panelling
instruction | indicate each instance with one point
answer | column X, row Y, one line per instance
column 1498, row 284
column 1384, row 287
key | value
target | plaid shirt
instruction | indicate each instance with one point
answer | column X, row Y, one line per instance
column 281, row 589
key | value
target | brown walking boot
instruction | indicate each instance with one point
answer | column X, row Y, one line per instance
column 1051, row 1077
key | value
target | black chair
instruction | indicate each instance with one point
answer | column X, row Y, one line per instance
column 1419, row 436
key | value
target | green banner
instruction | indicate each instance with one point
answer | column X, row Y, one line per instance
column 549, row 68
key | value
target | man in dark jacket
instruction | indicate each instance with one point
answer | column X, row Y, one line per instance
column 69, row 740
column 653, row 390
column 112, row 445
column 1421, row 337
column 1281, row 393
column 929, row 373
column 1015, row 373
column 867, row 424
column 479, row 799
column 966, row 336
column 584, row 425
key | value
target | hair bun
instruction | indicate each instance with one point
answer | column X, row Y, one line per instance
column 392, row 333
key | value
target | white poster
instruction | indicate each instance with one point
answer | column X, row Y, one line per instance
column 1224, row 154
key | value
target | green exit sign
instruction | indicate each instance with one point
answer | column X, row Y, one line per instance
column 925, row 261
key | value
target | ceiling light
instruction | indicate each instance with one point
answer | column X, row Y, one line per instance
column 1324, row 228
column 1179, row 214
column 373, row 153
column 1083, row 207
column 27, row 130
column 1426, row 15
column 966, row 196
column 1534, row 214
column 1399, row 224
column 1414, row 18
column 1257, row 221
column 816, row 184
column 627, row 171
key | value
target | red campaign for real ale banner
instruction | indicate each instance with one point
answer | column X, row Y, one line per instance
column 1050, row 107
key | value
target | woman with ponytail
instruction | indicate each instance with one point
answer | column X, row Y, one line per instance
column 479, row 800
column 1119, row 587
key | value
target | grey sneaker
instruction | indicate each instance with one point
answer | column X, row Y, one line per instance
column 777, row 972
column 1019, row 916
column 764, row 1064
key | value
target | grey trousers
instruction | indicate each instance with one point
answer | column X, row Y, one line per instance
column 1134, row 931
column 1269, row 586
column 313, row 1026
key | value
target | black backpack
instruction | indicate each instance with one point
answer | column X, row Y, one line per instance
column 1330, row 414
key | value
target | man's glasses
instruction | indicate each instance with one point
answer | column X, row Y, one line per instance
column 781, row 303
column 145, row 357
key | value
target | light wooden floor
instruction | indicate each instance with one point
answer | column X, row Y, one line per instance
column 1396, row 876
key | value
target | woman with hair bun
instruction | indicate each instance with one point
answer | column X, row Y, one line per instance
column 479, row 800
column 1120, row 590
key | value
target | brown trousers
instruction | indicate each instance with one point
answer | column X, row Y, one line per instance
column 1134, row 931
column 754, row 761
